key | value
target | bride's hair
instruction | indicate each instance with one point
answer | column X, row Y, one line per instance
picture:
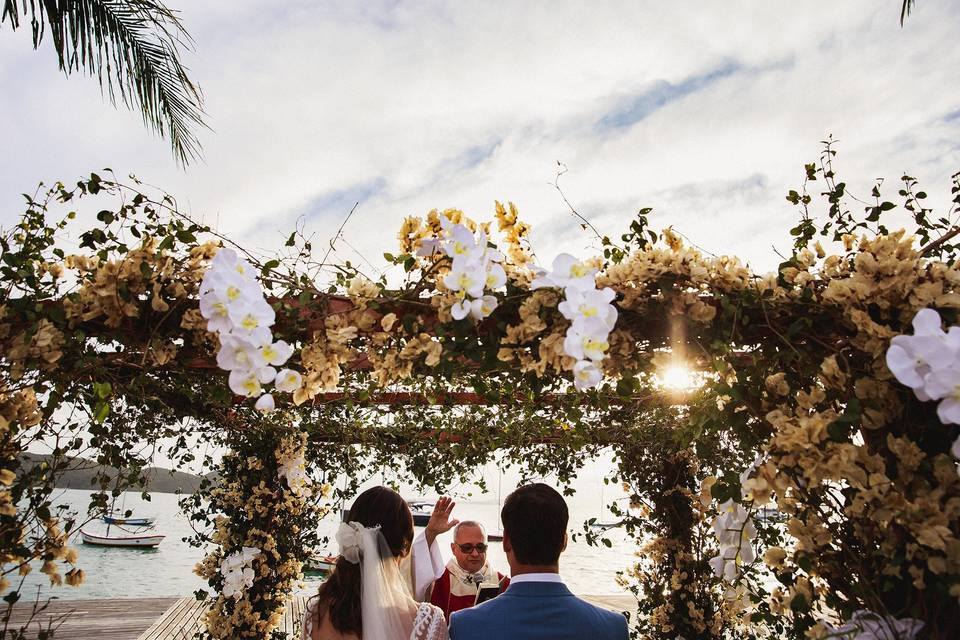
column 339, row 596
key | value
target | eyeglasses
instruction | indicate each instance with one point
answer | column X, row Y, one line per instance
column 470, row 548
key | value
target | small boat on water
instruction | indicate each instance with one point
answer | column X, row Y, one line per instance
column 132, row 540
column 130, row 522
column 422, row 510
column 321, row 565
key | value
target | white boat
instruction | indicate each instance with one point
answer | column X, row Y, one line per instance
column 421, row 510
column 320, row 564
column 121, row 541
column 130, row 522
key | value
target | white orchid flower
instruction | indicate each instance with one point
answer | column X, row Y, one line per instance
column 566, row 273
column 586, row 375
column 943, row 382
column 589, row 340
column 245, row 383
column 228, row 260
column 276, row 353
column 911, row 358
column 253, row 321
column 266, row 374
column 230, row 286
column 927, row 322
column 496, row 276
column 214, row 308
column 483, row 307
column 265, row 403
column 238, row 353
column 462, row 245
column 465, row 277
column 461, row 309
column 582, row 305
column 288, row 381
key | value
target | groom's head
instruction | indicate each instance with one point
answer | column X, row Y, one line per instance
column 534, row 526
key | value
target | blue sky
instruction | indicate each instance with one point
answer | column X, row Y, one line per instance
column 706, row 114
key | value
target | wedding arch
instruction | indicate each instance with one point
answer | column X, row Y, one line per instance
column 150, row 331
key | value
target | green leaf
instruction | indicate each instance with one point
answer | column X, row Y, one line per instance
column 102, row 389
column 101, row 411
column 270, row 266
column 166, row 243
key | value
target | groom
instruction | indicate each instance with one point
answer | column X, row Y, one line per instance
column 537, row 605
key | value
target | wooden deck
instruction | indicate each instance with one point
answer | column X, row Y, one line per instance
column 168, row 618
column 93, row 619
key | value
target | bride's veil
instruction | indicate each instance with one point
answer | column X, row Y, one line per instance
column 387, row 609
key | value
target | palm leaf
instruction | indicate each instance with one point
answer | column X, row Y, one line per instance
column 133, row 47
column 905, row 11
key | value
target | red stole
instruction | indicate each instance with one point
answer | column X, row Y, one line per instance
column 441, row 596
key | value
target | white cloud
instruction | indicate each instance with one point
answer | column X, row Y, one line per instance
column 421, row 105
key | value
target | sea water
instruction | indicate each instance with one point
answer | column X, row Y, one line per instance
column 167, row 570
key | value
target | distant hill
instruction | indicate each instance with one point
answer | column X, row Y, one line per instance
column 82, row 471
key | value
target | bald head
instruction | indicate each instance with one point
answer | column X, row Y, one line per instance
column 470, row 525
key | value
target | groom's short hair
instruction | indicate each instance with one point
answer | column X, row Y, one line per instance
column 535, row 517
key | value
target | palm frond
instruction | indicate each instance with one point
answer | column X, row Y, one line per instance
column 133, row 47
column 905, row 11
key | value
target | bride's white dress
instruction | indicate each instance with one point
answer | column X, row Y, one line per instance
column 428, row 623
column 388, row 610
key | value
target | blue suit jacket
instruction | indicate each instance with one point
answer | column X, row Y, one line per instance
column 537, row 611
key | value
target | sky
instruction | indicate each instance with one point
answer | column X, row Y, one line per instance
column 705, row 112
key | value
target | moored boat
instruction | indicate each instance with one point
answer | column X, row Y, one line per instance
column 143, row 541
column 130, row 522
column 421, row 510
column 322, row 565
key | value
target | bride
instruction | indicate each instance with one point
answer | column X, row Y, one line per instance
column 365, row 597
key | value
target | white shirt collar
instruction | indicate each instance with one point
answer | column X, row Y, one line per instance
column 536, row 577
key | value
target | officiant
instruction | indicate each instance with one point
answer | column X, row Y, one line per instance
column 452, row 586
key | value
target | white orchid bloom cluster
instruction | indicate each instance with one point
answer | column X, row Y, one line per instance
column 476, row 269
column 735, row 532
column 237, row 573
column 233, row 303
column 294, row 471
column 590, row 312
column 929, row 363
column 867, row 625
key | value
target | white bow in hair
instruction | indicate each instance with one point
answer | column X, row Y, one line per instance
column 349, row 538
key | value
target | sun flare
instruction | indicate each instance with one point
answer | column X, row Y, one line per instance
column 678, row 378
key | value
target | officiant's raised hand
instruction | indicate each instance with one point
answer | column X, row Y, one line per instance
column 440, row 520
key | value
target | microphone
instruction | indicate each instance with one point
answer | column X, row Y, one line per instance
column 477, row 578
